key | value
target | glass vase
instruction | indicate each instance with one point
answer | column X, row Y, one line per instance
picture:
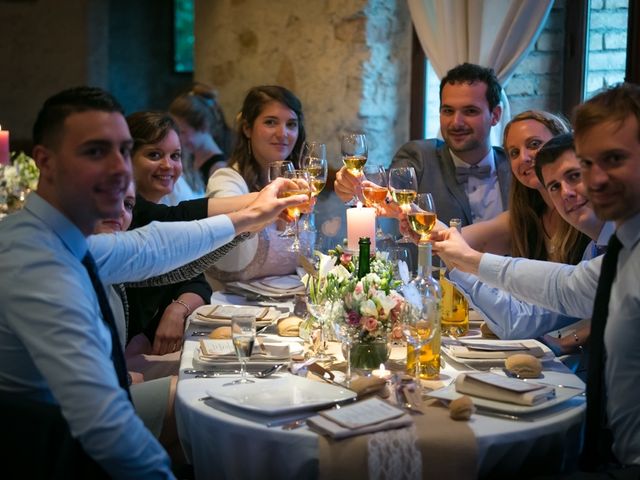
column 368, row 355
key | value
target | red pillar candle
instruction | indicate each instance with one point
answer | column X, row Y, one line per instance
column 4, row 147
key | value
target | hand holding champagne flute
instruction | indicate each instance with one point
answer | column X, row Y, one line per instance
column 403, row 186
column 301, row 178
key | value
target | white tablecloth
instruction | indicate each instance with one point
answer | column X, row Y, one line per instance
column 226, row 443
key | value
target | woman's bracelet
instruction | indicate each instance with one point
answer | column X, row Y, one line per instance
column 184, row 304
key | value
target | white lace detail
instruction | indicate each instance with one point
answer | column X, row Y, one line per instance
column 393, row 455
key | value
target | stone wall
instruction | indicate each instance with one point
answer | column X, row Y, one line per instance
column 347, row 60
column 46, row 46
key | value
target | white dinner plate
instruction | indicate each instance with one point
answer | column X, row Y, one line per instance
column 273, row 396
column 488, row 362
column 562, row 395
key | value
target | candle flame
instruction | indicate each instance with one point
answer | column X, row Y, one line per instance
column 382, row 369
column 359, row 204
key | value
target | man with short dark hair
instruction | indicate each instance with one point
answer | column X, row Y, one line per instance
column 58, row 340
column 466, row 176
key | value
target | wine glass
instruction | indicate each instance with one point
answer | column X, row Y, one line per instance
column 301, row 178
column 375, row 181
column 345, row 334
column 243, row 335
column 403, row 185
column 320, row 312
column 354, row 154
column 419, row 324
column 422, row 215
column 314, row 161
column 276, row 170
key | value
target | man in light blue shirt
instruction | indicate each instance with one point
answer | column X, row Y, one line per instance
column 607, row 130
column 54, row 345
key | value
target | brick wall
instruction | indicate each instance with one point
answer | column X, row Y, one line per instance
column 607, row 44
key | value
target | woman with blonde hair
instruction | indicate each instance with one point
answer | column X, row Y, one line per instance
column 531, row 228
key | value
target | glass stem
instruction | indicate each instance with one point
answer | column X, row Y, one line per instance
column 296, row 240
column 348, row 374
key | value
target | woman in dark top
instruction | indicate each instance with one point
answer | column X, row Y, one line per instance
column 160, row 311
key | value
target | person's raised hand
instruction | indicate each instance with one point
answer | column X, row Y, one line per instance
column 346, row 184
column 267, row 206
column 449, row 245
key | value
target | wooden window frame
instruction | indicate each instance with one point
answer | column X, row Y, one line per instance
column 576, row 17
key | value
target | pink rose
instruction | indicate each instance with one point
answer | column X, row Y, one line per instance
column 397, row 332
column 353, row 318
column 369, row 323
column 345, row 259
column 359, row 289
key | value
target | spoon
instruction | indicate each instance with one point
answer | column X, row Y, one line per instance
column 269, row 371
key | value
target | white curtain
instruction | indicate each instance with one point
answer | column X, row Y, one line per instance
column 491, row 33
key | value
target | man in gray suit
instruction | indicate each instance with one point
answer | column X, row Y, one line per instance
column 466, row 176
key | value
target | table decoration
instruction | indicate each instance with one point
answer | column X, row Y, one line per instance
column 18, row 180
column 364, row 312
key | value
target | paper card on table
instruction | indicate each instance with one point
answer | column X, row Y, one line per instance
column 503, row 389
column 223, row 350
column 361, row 414
column 501, row 381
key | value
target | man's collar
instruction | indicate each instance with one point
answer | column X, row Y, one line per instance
column 486, row 160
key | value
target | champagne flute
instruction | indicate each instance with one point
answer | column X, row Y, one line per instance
column 354, row 154
column 403, row 186
column 314, row 161
column 301, row 178
column 276, row 170
column 374, row 191
column 422, row 215
column 243, row 335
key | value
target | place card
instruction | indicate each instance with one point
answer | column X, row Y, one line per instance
column 361, row 414
column 512, row 384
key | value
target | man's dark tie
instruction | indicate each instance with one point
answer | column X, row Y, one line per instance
column 116, row 349
column 598, row 439
column 463, row 173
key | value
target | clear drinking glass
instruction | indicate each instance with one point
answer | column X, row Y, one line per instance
column 243, row 335
column 422, row 215
column 419, row 324
column 354, row 154
column 375, row 183
column 276, row 170
column 345, row 334
column 403, row 185
column 314, row 161
column 301, row 178
column 320, row 312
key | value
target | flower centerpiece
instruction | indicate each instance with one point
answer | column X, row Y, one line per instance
column 18, row 179
column 366, row 309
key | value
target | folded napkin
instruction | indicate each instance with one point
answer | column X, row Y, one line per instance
column 495, row 350
column 221, row 314
column 503, row 389
column 367, row 416
column 223, row 351
column 281, row 286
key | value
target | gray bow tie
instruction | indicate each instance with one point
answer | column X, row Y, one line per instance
column 463, row 173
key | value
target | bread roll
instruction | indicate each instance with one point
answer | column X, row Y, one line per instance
column 461, row 408
column 220, row 333
column 523, row 365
